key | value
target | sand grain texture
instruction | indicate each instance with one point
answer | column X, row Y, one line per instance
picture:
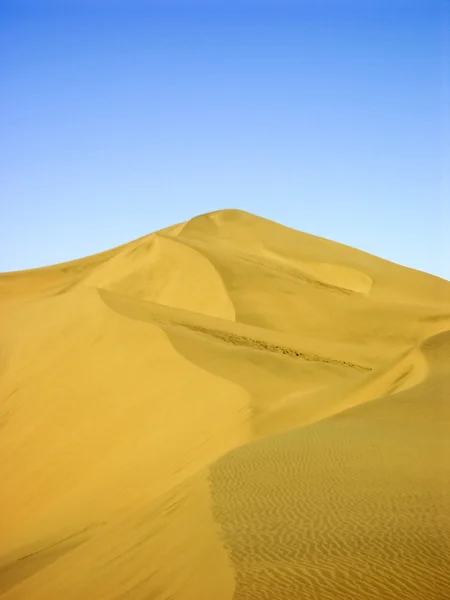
column 226, row 409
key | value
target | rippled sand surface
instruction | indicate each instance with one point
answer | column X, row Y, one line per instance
column 227, row 409
column 355, row 506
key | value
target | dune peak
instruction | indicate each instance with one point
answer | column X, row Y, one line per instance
column 226, row 408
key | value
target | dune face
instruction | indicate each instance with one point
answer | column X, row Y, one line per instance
column 226, row 409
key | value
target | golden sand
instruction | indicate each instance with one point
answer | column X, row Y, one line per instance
column 226, row 409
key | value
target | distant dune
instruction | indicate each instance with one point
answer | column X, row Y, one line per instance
column 227, row 409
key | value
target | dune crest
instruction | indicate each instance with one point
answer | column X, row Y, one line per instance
column 225, row 409
column 165, row 271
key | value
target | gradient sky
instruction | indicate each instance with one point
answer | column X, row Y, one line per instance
column 121, row 118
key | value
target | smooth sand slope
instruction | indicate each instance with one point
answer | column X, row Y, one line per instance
column 227, row 409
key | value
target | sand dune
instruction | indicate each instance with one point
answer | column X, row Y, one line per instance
column 227, row 409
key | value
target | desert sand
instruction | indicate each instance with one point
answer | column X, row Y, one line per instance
column 227, row 409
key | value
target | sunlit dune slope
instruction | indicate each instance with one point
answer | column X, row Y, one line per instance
column 226, row 409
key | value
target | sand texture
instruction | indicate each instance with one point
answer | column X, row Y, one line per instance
column 227, row 409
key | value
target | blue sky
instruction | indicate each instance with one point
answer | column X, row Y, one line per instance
column 118, row 119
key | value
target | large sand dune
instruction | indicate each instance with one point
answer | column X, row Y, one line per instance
column 226, row 409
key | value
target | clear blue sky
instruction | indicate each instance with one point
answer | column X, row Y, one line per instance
column 120, row 118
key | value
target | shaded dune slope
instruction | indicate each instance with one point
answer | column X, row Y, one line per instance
column 225, row 409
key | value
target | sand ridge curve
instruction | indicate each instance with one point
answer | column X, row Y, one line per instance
column 227, row 409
